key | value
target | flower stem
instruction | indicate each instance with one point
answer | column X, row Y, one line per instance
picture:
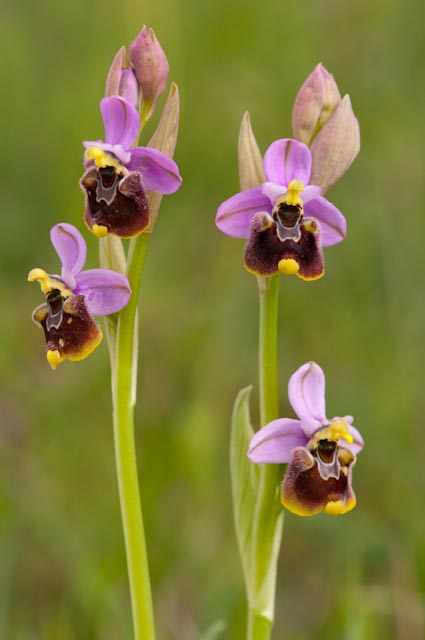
column 268, row 371
column 124, row 397
column 268, row 518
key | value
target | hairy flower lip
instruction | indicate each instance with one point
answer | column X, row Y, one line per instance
column 305, row 443
column 275, row 248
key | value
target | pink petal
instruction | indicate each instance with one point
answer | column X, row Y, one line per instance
column 274, row 442
column 332, row 222
column 273, row 191
column 121, row 121
column 286, row 160
column 105, row 291
column 306, row 392
column 70, row 246
column 159, row 172
column 235, row 214
column 310, row 192
column 358, row 443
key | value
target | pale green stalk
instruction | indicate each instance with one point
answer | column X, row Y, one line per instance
column 268, row 516
column 124, row 397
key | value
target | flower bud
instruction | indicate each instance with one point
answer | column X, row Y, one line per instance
column 315, row 102
column 335, row 146
column 121, row 79
column 251, row 172
column 151, row 69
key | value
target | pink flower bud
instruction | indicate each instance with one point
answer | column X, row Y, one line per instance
column 150, row 66
column 121, row 80
column 315, row 102
column 335, row 146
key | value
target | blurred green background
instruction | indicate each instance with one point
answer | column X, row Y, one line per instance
column 62, row 564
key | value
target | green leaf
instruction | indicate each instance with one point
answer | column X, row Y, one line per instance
column 257, row 511
column 245, row 479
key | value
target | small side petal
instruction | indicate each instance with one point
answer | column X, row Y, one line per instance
column 159, row 172
column 121, row 121
column 274, row 442
column 332, row 222
column 286, row 160
column 306, row 393
column 235, row 214
column 70, row 246
column 104, row 291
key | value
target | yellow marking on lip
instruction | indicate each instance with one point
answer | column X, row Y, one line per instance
column 337, row 507
column 288, row 266
column 310, row 226
column 311, row 278
column 258, row 273
column 99, row 230
column 47, row 283
column 54, row 358
column 298, row 508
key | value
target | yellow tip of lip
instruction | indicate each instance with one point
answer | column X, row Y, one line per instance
column 54, row 358
column 335, row 508
column 99, row 230
column 288, row 266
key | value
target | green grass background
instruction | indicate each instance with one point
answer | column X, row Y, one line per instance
column 62, row 564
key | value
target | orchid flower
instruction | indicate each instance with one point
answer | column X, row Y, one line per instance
column 117, row 180
column 74, row 297
column 286, row 220
column 320, row 453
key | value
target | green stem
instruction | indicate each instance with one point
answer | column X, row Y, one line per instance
column 268, row 372
column 124, row 397
column 268, row 518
